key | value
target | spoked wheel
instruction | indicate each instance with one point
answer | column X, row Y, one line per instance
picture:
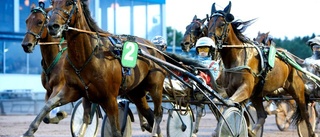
column 179, row 125
column 77, row 121
column 253, row 118
column 283, row 115
column 106, row 127
column 302, row 126
column 237, row 122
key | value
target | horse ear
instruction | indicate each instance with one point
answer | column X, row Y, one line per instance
column 194, row 18
column 48, row 9
column 228, row 8
column 32, row 6
column 41, row 4
column 203, row 20
column 229, row 17
column 213, row 8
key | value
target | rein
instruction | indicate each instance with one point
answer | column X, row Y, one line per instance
column 55, row 61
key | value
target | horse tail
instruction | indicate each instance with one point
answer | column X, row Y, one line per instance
column 296, row 118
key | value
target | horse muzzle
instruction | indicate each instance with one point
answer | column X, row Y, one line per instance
column 28, row 47
column 55, row 30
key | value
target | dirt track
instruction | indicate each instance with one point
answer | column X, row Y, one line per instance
column 15, row 126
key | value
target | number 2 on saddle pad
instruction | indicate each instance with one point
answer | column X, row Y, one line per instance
column 129, row 54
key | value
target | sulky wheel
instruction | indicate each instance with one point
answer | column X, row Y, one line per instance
column 179, row 125
column 237, row 122
column 76, row 122
column 106, row 128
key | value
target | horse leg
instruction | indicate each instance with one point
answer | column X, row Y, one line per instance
column 52, row 103
column 145, row 113
column 302, row 105
column 257, row 102
column 86, row 116
column 58, row 115
column 200, row 110
column 110, row 106
column 144, row 123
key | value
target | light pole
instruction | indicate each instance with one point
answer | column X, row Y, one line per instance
column 4, row 50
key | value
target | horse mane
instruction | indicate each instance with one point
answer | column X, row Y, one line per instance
column 239, row 27
column 87, row 14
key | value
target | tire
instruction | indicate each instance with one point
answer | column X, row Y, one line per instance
column 174, row 123
column 106, row 128
column 233, row 117
column 282, row 117
column 253, row 118
column 302, row 126
column 76, row 122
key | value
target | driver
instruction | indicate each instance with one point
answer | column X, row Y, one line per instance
column 204, row 47
column 312, row 64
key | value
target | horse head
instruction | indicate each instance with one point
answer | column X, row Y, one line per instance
column 36, row 23
column 263, row 38
column 194, row 31
column 63, row 15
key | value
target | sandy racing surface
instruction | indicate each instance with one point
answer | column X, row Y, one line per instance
column 15, row 126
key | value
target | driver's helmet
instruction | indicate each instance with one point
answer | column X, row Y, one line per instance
column 160, row 42
column 313, row 41
column 314, row 44
column 204, row 46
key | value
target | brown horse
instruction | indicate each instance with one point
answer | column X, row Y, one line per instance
column 245, row 76
column 263, row 38
column 53, row 55
column 195, row 30
column 95, row 67
column 53, row 52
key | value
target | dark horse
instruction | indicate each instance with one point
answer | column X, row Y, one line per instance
column 245, row 76
column 195, row 30
column 94, row 66
column 53, row 55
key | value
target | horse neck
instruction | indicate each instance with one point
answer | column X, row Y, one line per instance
column 233, row 57
column 80, row 44
column 48, row 52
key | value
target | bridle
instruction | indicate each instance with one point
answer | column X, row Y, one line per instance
column 219, row 39
column 69, row 14
column 38, row 36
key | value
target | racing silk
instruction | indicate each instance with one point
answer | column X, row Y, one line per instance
column 312, row 65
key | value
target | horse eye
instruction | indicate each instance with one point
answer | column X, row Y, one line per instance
column 40, row 22
column 68, row 3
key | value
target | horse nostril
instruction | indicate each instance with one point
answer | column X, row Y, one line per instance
column 56, row 26
column 26, row 44
column 53, row 26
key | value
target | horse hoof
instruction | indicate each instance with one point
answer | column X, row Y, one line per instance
column 46, row 120
column 251, row 133
column 61, row 115
column 194, row 135
column 214, row 134
column 24, row 135
column 146, row 127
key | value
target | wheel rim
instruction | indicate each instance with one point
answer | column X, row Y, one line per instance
column 174, row 124
column 77, row 121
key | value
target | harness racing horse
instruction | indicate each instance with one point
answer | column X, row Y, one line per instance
column 245, row 74
column 195, row 30
column 52, row 55
column 94, row 66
